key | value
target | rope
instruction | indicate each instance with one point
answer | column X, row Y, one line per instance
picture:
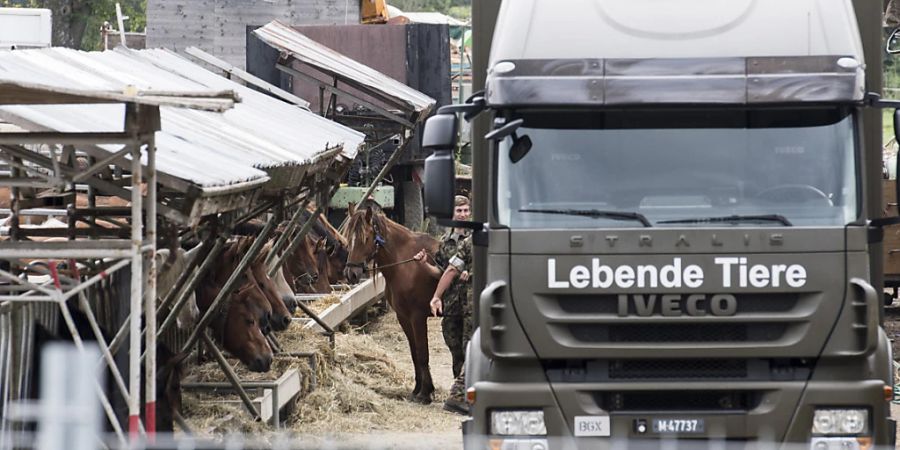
column 376, row 268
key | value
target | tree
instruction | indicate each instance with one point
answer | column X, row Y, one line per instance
column 76, row 23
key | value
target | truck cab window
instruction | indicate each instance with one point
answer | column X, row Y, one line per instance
column 796, row 163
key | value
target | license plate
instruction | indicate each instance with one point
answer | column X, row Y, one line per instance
column 592, row 426
column 678, row 426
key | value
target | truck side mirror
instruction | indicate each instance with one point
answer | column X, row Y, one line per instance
column 440, row 132
column 892, row 46
column 440, row 182
column 440, row 169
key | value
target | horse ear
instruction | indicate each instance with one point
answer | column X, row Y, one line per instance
column 320, row 244
column 351, row 208
column 369, row 215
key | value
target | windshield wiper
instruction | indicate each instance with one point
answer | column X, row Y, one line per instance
column 594, row 213
column 735, row 218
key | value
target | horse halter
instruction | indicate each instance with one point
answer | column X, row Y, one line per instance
column 379, row 244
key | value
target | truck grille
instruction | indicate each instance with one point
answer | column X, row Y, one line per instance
column 607, row 304
column 641, row 369
column 677, row 333
column 650, row 401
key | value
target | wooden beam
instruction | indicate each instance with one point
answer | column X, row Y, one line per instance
column 334, row 90
column 247, row 77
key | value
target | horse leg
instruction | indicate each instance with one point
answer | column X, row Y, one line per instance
column 406, row 325
column 420, row 332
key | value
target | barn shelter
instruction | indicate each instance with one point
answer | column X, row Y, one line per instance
column 205, row 152
column 263, row 145
column 349, row 92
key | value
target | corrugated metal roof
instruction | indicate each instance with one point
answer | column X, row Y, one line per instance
column 41, row 76
column 286, row 39
column 206, row 148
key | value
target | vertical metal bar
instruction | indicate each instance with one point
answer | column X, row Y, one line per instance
column 14, row 202
column 276, row 408
column 229, row 373
column 332, row 101
column 134, row 352
column 150, row 298
column 92, row 202
column 222, row 300
column 321, row 101
column 5, row 377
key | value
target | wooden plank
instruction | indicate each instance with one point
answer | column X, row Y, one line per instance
column 360, row 297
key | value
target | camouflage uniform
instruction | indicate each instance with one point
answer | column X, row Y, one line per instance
column 457, row 309
column 463, row 261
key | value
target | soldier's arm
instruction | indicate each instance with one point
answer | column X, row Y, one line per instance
column 437, row 305
column 431, row 269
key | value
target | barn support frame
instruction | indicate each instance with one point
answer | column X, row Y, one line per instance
column 58, row 172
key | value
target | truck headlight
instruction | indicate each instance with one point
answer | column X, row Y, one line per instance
column 840, row 421
column 521, row 423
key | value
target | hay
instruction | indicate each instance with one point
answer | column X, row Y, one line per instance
column 362, row 386
column 320, row 305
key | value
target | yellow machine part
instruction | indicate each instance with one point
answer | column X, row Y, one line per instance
column 373, row 11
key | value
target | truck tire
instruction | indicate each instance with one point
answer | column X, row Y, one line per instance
column 413, row 209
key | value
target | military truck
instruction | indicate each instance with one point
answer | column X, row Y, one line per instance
column 678, row 222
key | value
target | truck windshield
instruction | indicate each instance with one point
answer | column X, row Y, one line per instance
column 748, row 168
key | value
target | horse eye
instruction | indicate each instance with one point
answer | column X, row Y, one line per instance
column 249, row 321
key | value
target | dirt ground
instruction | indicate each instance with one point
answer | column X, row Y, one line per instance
column 360, row 398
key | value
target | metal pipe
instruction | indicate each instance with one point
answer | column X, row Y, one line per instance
column 76, row 338
column 387, row 167
column 315, row 317
column 150, row 295
column 229, row 373
column 95, row 279
column 193, row 282
column 134, row 352
column 104, row 349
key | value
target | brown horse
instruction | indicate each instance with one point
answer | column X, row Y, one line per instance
column 374, row 237
column 304, row 267
column 241, row 330
column 332, row 250
column 231, row 256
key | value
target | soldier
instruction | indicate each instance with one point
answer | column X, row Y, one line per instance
column 453, row 296
column 457, row 267
column 454, row 300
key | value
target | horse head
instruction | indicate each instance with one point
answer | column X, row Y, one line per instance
column 242, row 329
column 243, row 332
column 302, row 267
column 364, row 238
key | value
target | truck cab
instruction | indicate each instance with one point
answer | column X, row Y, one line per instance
column 677, row 231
